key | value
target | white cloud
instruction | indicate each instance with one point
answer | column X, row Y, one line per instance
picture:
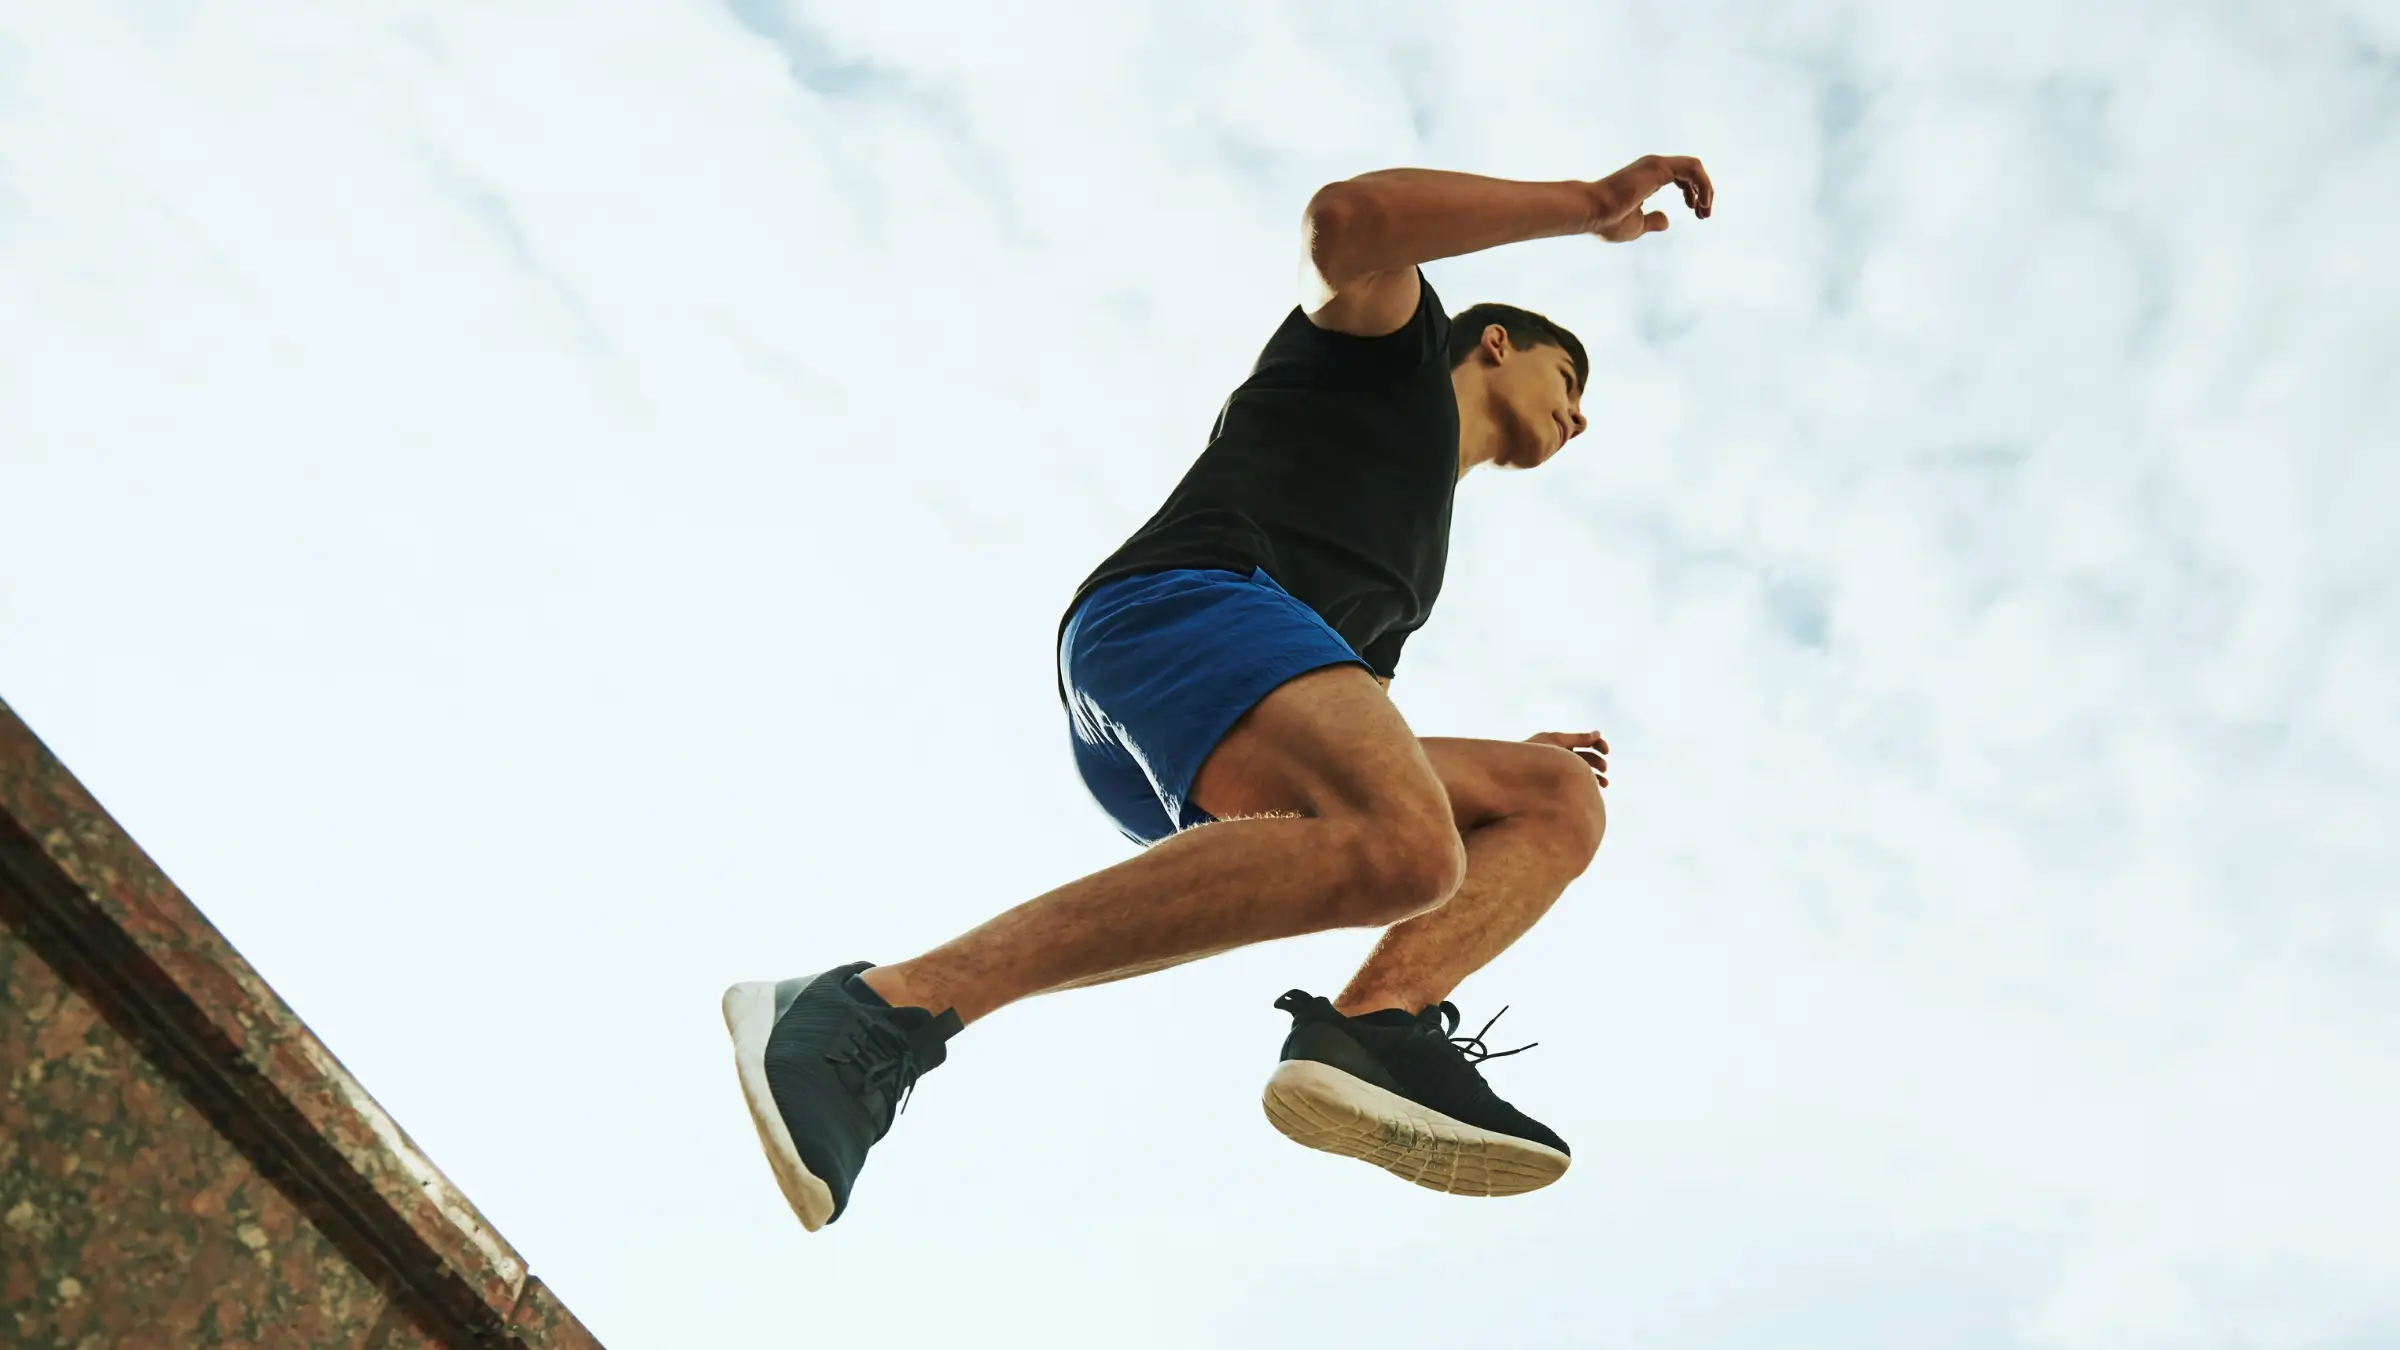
column 537, row 514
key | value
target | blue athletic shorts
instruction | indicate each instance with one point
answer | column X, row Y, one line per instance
column 1155, row 669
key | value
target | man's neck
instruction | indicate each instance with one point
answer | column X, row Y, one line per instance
column 1478, row 435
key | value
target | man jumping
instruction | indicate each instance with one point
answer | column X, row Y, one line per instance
column 1225, row 676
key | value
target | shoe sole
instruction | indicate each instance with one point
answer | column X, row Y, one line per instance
column 750, row 1017
column 1326, row 1109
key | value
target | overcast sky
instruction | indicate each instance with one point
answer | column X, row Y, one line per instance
column 535, row 512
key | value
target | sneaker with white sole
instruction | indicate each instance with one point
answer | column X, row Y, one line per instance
column 1402, row 1091
column 825, row 1066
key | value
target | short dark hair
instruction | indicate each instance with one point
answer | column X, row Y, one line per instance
column 1524, row 328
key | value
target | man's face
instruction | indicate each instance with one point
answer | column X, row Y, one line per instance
column 1540, row 401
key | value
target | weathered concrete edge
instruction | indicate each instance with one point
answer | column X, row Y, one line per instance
column 156, row 966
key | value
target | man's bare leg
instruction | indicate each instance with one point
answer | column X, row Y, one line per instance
column 1364, row 839
column 1532, row 819
column 1529, row 819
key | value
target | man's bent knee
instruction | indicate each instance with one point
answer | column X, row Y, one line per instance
column 1592, row 822
column 1573, row 799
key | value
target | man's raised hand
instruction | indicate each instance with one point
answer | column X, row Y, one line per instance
column 1619, row 201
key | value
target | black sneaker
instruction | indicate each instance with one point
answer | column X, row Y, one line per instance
column 1403, row 1093
column 826, row 1065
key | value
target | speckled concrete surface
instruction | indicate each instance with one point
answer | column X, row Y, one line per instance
column 182, row 1163
column 129, row 1220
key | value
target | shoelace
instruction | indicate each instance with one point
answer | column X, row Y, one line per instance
column 886, row 1059
column 1472, row 1048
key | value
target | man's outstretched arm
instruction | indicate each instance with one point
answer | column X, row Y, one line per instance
column 1367, row 235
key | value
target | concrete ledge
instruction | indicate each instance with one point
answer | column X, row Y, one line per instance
column 170, row 1120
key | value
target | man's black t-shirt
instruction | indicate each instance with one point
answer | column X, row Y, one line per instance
column 1333, row 467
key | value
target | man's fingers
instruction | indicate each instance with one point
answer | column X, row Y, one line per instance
column 1590, row 747
column 1596, row 764
column 1698, row 193
column 1578, row 741
column 1701, row 193
column 1654, row 222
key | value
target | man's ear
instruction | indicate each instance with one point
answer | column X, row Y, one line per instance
column 1494, row 344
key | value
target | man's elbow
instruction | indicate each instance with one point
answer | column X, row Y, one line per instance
column 1333, row 222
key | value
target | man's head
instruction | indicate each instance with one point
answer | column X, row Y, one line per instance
column 1524, row 376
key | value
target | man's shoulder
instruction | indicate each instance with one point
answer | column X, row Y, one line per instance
column 1298, row 348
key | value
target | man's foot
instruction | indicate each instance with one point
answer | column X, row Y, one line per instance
column 825, row 1064
column 1403, row 1093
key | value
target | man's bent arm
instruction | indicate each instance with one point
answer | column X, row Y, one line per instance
column 1367, row 235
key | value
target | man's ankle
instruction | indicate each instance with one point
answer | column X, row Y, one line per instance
column 892, row 985
column 1358, row 1006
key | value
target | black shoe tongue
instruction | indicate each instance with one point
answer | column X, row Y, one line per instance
column 1387, row 1017
column 926, row 1030
column 928, row 1033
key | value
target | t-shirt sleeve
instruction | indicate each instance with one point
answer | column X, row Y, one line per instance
column 1423, row 340
column 1384, row 652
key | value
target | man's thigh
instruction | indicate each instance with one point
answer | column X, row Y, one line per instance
column 1325, row 743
